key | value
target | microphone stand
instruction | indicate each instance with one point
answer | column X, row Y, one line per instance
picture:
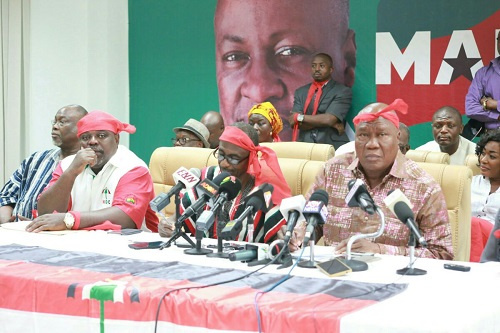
column 310, row 263
column 409, row 270
column 220, row 252
column 178, row 227
column 358, row 265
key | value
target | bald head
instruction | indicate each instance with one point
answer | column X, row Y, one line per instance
column 215, row 124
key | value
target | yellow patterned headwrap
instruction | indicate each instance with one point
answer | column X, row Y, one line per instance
column 268, row 110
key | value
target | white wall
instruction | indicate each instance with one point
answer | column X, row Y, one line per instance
column 77, row 54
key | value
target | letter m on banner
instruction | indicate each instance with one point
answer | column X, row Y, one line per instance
column 417, row 53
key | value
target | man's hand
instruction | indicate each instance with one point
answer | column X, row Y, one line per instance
column 489, row 102
column 47, row 222
column 339, row 127
column 361, row 245
column 166, row 226
column 291, row 118
column 83, row 158
column 7, row 220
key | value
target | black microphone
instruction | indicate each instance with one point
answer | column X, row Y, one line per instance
column 259, row 199
column 399, row 204
column 292, row 207
column 243, row 255
column 206, row 190
column 315, row 212
column 184, row 179
column 358, row 196
column 228, row 190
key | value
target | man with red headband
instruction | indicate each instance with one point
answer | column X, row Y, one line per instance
column 239, row 154
column 382, row 167
column 103, row 186
column 320, row 107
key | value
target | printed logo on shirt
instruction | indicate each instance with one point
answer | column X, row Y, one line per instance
column 130, row 199
column 106, row 200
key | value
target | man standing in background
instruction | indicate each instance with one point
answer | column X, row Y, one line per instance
column 320, row 107
column 264, row 49
column 215, row 124
column 481, row 102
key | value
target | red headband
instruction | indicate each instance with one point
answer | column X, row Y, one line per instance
column 265, row 169
column 102, row 121
column 398, row 105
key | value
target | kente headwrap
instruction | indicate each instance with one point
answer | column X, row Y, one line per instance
column 265, row 169
column 398, row 105
column 102, row 121
column 268, row 110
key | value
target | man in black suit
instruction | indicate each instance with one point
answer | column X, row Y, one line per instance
column 320, row 107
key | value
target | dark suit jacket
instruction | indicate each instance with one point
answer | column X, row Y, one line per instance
column 335, row 99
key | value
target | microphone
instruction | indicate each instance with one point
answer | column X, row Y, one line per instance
column 358, row 196
column 315, row 212
column 206, row 190
column 252, row 251
column 258, row 199
column 184, row 179
column 292, row 207
column 228, row 190
column 243, row 255
column 399, row 204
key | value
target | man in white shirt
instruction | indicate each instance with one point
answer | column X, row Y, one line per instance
column 446, row 128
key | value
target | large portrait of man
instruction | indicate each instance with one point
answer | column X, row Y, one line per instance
column 263, row 51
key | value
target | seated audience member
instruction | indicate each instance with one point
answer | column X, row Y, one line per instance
column 266, row 120
column 404, row 142
column 215, row 124
column 103, row 186
column 492, row 249
column 382, row 167
column 18, row 197
column 446, row 128
column 238, row 155
column 192, row 134
column 485, row 192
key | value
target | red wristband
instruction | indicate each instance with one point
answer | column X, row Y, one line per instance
column 76, row 215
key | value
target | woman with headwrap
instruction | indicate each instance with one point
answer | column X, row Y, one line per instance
column 240, row 155
column 266, row 120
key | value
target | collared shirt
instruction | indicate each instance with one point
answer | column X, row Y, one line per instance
column 28, row 181
column 465, row 147
column 420, row 188
column 486, row 82
column 483, row 204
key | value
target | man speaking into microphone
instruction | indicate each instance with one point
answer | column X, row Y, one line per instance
column 382, row 167
column 238, row 155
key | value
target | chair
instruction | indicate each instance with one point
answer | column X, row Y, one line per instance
column 428, row 156
column 455, row 181
column 302, row 150
column 471, row 162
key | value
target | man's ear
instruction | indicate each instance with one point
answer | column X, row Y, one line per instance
column 117, row 139
column 461, row 129
column 349, row 52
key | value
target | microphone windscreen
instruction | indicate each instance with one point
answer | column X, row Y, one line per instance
column 403, row 211
column 256, row 202
column 195, row 171
column 231, row 185
column 319, row 195
column 220, row 177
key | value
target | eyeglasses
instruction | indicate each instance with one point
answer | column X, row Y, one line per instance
column 182, row 141
column 59, row 123
column 231, row 160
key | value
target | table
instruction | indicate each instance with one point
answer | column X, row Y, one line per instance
column 441, row 301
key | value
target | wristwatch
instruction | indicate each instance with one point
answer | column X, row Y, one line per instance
column 300, row 118
column 69, row 220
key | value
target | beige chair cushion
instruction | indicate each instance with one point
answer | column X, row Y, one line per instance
column 471, row 162
column 302, row 150
column 455, row 181
column 428, row 156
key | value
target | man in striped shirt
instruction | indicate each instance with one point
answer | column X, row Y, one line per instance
column 18, row 197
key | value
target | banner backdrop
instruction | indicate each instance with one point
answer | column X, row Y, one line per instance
column 425, row 52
